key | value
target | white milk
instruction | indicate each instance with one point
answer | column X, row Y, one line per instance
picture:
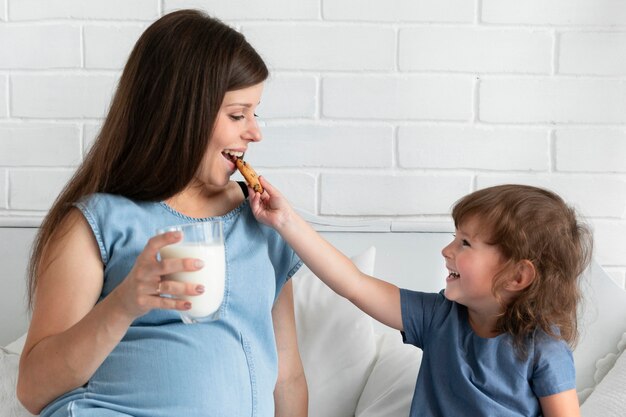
column 212, row 275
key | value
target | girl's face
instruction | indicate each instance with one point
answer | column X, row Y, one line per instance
column 472, row 264
column 235, row 128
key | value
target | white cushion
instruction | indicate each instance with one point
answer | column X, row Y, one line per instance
column 608, row 398
column 602, row 321
column 390, row 386
column 9, row 405
column 17, row 345
column 336, row 342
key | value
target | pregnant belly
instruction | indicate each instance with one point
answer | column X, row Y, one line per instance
column 176, row 371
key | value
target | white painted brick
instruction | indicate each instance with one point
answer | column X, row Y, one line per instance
column 4, row 192
column 90, row 131
column 609, row 243
column 297, row 186
column 4, row 96
column 341, row 48
column 555, row 12
column 591, row 195
column 387, row 195
column 83, row 9
column 472, row 147
column 325, row 146
column 110, row 46
column 39, row 145
column 591, row 150
column 251, row 9
column 36, row 189
column 28, row 46
column 400, row 10
column 418, row 97
column 475, row 50
column 3, row 9
column 61, row 96
column 592, row 53
column 551, row 100
column 287, row 96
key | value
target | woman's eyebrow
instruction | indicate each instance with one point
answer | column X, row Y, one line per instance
column 239, row 104
column 248, row 105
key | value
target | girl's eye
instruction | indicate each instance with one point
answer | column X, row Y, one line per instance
column 465, row 243
column 236, row 117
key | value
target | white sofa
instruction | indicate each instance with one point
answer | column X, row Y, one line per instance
column 356, row 367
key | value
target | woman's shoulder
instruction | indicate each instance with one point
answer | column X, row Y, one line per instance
column 104, row 198
column 104, row 202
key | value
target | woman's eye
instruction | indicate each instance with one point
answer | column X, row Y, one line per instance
column 236, row 117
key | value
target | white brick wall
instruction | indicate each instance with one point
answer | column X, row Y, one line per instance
column 397, row 97
column 408, row 105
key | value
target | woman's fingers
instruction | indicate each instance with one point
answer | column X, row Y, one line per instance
column 151, row 277
column 174, row 304
column 175, row 288
column 173, row 265
column 155, row 243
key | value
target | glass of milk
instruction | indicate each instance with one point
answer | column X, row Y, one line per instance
column 205, row 241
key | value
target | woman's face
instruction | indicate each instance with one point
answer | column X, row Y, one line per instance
column 235, row 128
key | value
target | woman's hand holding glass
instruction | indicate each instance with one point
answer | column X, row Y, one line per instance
column 141, row 291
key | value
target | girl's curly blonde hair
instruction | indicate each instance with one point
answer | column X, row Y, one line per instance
column 534, row 224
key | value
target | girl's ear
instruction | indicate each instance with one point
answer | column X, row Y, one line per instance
column 524, row 275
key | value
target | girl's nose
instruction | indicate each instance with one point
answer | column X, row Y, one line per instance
column 447, row 251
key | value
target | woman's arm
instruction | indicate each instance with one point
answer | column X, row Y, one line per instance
column 291, row 393
column 375, row 297
column 563, row 404
column 70, row 335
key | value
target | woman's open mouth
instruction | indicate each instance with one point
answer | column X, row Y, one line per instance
column 232, row 155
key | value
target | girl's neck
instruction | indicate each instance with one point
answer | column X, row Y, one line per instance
column 484, row 325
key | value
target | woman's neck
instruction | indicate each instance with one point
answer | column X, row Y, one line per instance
column 202, row 201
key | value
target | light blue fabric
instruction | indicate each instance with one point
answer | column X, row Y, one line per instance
column 463, row 374
column 163, row 367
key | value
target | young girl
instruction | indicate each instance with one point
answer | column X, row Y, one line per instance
column 102, row 341
column 495, row 341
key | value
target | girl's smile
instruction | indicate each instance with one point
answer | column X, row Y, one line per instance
column 472, row 264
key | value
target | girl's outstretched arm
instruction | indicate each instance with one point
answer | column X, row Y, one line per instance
column 563, row 404
column 375, row 297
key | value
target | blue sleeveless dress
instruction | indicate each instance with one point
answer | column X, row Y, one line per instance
column 163, row 367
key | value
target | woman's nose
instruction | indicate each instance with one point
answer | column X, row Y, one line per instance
column 253, row 132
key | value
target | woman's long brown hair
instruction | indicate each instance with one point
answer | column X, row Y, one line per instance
column 161, row 116
column 530, row 223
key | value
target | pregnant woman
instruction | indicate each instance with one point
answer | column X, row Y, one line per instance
column 103, row 341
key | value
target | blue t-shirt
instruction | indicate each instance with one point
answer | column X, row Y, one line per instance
column 463, row 374
column 163, row 367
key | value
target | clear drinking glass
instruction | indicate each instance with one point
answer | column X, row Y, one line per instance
column 204, row 241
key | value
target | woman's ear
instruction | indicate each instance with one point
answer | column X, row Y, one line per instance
column 524, row 275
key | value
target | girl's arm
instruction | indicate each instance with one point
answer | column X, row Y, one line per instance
column 375, row 297
column 291, row 395
column 563, row 404
column 70, row 335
